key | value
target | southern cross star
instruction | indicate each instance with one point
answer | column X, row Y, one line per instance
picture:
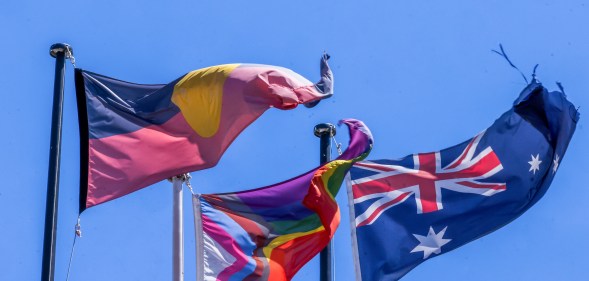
column 432, row 243
column 535, row 163
column 555, row 167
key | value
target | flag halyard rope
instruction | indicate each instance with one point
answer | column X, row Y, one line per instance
column 77, row 233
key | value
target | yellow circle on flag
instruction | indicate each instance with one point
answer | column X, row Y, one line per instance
column 199, row 95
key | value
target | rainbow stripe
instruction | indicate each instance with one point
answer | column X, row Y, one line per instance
column 134, row 135
column 271, row 232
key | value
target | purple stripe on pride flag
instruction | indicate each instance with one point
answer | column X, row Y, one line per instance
column 360, row 139
column 297, row 188
column 271, row 196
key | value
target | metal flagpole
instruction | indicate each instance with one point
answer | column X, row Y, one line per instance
column 59, row 52
column 325, row 132
column 177, row 229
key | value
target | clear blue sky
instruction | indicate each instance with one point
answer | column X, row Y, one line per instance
column 420, row 74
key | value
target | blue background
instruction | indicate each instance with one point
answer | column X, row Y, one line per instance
column 420, row 74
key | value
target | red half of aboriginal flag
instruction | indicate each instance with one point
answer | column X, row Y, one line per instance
column 134, row 135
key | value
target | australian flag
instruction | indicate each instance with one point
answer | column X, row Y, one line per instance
column 414, row 208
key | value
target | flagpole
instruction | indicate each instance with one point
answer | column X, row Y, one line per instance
column 177, row 229
column 325, row 132
column 58, row 51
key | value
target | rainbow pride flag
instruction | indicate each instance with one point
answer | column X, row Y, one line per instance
column 269, row 233
column 134, row 135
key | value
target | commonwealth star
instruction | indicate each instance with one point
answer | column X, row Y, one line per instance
column 432, row 243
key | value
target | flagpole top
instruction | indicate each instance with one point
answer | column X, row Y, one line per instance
column 61, row 48
column 324, row 128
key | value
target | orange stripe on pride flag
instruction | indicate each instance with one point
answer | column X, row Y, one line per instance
column 321, row 201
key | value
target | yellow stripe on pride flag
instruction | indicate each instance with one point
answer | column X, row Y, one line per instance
column 286, row 238
column 199, row 95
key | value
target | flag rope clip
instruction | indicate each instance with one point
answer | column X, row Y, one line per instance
column 187, row 182
column 185, row 178
column 337, row 145
column 77, row 233
column 69, row 55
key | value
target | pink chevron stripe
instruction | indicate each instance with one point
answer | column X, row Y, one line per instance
column 228, row 243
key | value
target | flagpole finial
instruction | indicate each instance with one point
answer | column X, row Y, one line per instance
column 324, row 128
column 61, row 48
